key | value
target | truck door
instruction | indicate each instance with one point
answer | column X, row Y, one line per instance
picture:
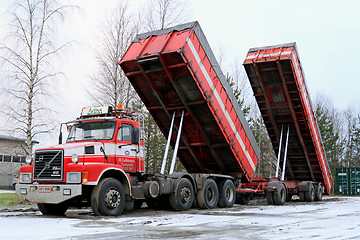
column 126, row 151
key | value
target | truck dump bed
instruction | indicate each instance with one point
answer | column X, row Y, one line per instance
column 277, row 79
column 174, row 70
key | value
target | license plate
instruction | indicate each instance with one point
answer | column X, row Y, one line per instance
column 44, row 189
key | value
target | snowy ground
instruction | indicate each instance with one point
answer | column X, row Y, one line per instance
column 333, row 218
column 7, row 191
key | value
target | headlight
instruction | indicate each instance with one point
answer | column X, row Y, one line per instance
column 28, row 159
column 74, row 158
column 73, row 177
column 25, row 178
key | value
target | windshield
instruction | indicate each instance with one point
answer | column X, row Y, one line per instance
column 92, row 131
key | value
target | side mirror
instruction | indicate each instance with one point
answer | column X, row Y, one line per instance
column 60, row 137
column 135, row 136
column 60, row 134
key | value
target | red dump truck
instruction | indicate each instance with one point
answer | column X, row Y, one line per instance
column 279, row 87
column 101, row 164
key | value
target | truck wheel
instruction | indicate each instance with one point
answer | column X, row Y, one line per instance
column 242, row 199
column 319, row 193
column 208, row 196
column 280, row 195
column 227, row 194
column 269, row 197
column 310, row 195
column 183, row 196
column 302, row 196
column 52, row 209
column 108, row 198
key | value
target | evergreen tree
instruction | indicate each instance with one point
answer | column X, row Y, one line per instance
column 333, row 142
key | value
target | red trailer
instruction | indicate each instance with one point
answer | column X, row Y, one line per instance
column 278, row 82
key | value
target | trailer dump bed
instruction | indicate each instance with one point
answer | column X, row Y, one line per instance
column 174, row 70
column 277, row 79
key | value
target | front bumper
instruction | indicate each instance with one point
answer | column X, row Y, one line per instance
column 48, row 193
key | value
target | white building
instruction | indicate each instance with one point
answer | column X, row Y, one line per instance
column 12, row 156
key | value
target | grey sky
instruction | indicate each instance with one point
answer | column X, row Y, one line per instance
column 327, row 34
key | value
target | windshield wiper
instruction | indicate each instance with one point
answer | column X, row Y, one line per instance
column 70, row 138
column 92, row 137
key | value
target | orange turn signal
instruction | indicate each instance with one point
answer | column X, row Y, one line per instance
column 85, row 177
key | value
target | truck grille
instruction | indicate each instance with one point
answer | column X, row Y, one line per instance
column 48, row 165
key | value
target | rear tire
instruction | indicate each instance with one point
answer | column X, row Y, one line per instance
column 310, row 195
column 302, row 196
column 183, row 197
column 280, row 195
column 208, row 196
column 108, row 197
column 242, row 199
column 269, row 197
column 53, row 209
column 227, row 194
column 319, row 193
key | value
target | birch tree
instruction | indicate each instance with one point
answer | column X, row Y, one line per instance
column 109, row 84
column 165, row 13
column 160, row 15
column 28, row 53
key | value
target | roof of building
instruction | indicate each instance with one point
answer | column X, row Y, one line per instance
column 9, row 138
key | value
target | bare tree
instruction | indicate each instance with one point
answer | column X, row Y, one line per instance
column 28, row 54
column 109, row 84
column 160, row 15
column 165, row 13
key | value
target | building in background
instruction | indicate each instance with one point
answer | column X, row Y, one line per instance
column 12, row 156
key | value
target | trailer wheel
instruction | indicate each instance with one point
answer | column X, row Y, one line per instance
column 227, row 194
column 242, row 199
column 280, row 195
column 319, row 193
column 108, row 198
column 269, row 197
column 310, row 195
column 302, row 196
column 208, row 196
column 52, row 209
column 183, row 196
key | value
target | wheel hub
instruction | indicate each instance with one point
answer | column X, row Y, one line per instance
column 229, row 194
column 112, row 198
column 185, row 195
column 210, row 194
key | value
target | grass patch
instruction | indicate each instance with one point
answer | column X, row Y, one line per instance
column 8, row 200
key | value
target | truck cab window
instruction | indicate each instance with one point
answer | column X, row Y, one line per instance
column 92, row 131
column 125, row 133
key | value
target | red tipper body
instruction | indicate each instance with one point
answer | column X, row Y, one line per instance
column 278, row 82
column 174, row 70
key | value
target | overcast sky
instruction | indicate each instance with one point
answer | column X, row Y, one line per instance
column 327, row 33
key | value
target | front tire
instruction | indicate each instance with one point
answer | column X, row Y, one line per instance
column 108, row 198
column 53, row 209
